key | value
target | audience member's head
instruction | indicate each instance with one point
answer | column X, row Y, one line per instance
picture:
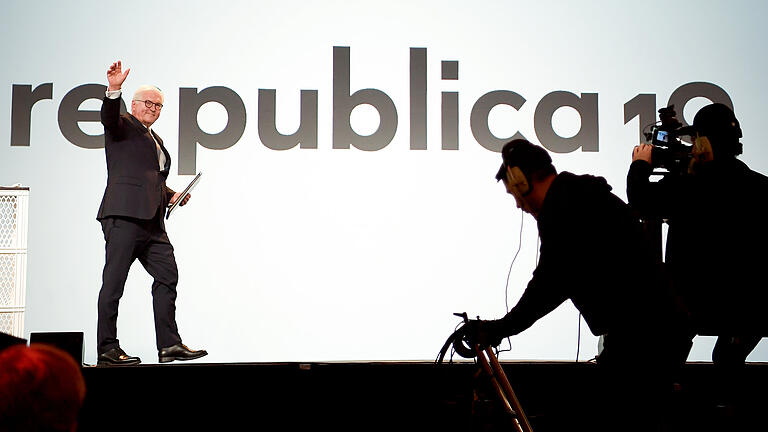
column 41, row 389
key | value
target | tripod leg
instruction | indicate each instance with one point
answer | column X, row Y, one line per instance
column 498, row 372
column 500, row 390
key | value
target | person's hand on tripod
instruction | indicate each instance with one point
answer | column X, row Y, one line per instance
column 484, row 333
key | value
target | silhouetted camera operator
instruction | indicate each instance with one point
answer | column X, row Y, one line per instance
column 716, row 213
column 593, row 253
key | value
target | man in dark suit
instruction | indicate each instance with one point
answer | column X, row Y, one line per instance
column 131, row 216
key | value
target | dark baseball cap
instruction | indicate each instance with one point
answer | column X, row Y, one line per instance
column 715, row 120
column 523, row 154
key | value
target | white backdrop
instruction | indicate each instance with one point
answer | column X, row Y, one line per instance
column 343, row 254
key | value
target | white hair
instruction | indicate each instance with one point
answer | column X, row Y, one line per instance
column 145, row 88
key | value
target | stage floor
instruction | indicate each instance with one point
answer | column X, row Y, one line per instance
column 361, row 396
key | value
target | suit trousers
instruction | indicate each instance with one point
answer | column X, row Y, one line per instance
column 128, row 239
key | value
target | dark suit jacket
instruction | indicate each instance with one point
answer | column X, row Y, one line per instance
column 135, row 184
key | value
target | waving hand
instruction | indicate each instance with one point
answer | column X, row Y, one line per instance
column 116, row 76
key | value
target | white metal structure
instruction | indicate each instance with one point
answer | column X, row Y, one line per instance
column 14, row 202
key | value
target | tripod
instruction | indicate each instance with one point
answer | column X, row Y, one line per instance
column 490, row 365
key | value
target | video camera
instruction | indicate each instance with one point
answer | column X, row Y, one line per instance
column 669, row 152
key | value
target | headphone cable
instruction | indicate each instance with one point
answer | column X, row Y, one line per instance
column 509, row 273
column 578, row 339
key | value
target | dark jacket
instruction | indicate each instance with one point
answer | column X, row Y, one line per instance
column 135, row 184
column 716, row 242
column 593, row 253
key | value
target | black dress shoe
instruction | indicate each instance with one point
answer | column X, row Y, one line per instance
column 117, row 357
column 179, row 352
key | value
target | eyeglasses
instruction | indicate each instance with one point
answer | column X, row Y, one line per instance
column 150, row 104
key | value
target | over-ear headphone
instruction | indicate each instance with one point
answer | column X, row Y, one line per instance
column 520, row 159
column 516, row 178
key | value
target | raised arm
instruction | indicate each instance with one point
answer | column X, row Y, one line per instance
column 110, row 108
column 649, row 199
